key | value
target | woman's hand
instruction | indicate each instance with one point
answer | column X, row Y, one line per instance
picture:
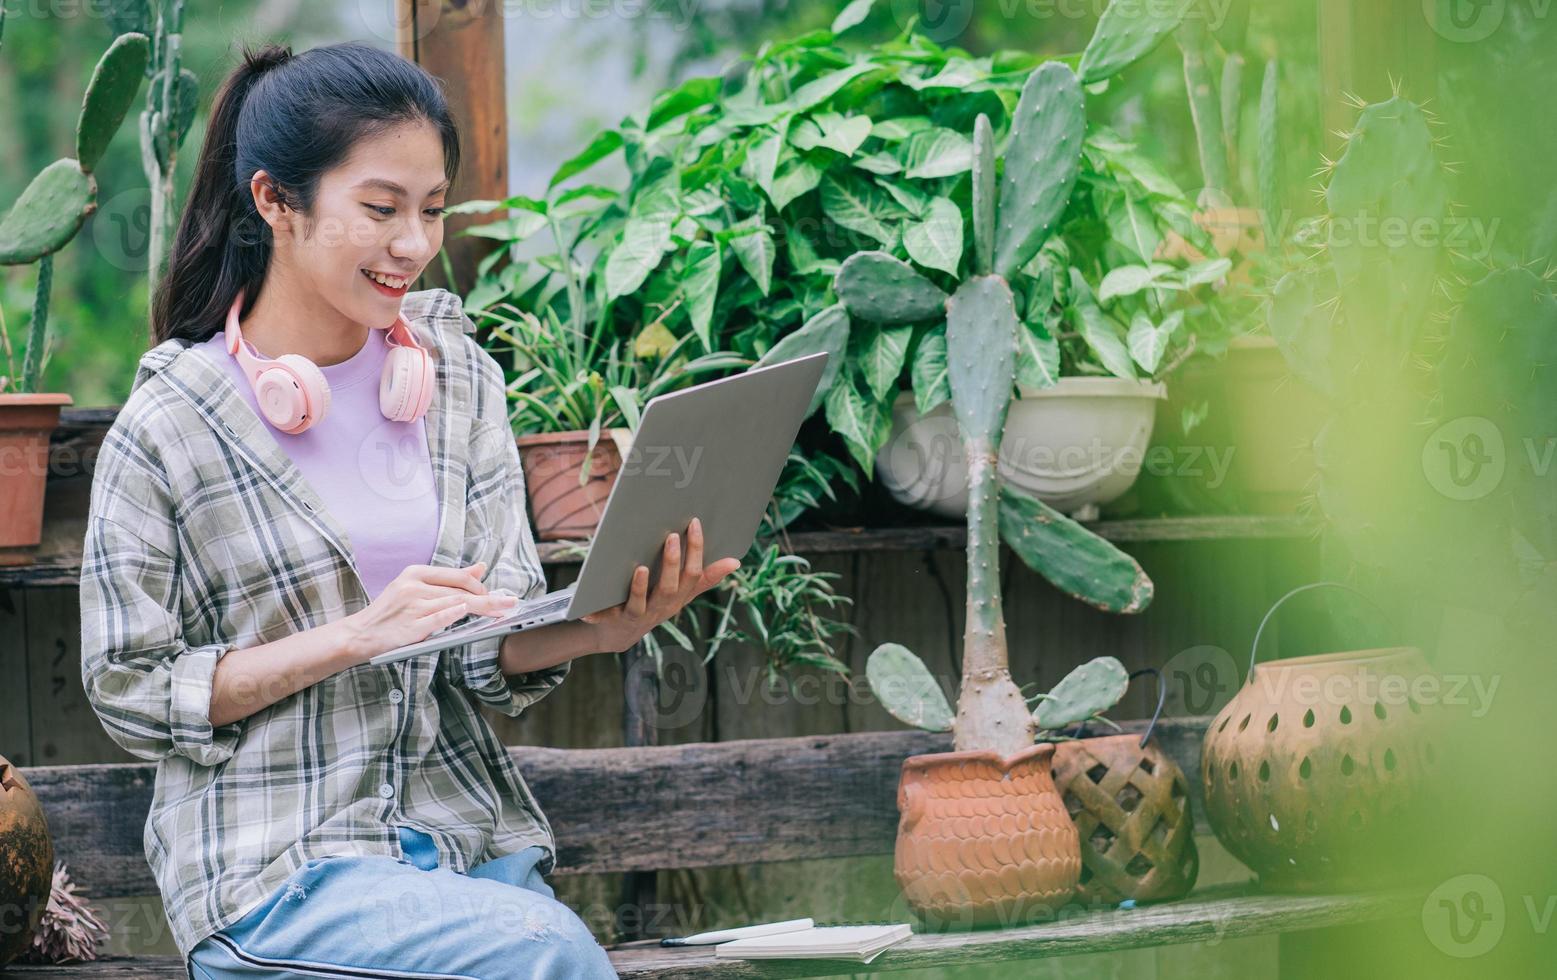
column 621, row 626
column 420, row 601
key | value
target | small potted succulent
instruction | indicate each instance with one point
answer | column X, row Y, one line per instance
column 42, row 221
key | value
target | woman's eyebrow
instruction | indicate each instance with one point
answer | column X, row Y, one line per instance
column 379, row 183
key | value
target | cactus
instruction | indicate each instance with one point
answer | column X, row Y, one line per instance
column 1083, row 694
column 982, row 332
column 58, row 201
column 906, row 688
column 109, row 96
column 1268, row 162
column 164, row 124
column 1126, row 33
column 1042, row 163
column 876, row 286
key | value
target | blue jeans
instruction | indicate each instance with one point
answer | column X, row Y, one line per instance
column 374, row 916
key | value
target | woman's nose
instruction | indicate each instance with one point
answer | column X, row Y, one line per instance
column 411, row 241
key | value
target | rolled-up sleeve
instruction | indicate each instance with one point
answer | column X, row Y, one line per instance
column 496, row 501
column 150, row 689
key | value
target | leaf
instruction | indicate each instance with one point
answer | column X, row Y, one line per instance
column 846, row 134
column 901, row 128
column 827, row 331
column 884, row 356
column 935, row 153
column 957, row 73
column 884, row 164
column 1037, row 357
column 762, row 159
column 1101, row 334
column 691, row 94
column 1205, row 273
column 701, row 283
column 1131, row 225
column 852, row 16
column 799, row 178
column 1127, row 280
column 858, row 205
column 602, row 146
column 516, row 229
column 1147, row 343
column 756, row 252
column 654, row 340
column 913, row 201
column 862, row 423
column 930, row 374
column 907, row 689
column 644, row 242
column 816, row 92
column 936, row 242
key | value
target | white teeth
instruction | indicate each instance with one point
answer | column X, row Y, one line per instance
column 393, row 282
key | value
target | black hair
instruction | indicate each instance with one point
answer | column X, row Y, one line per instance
column 295, row 117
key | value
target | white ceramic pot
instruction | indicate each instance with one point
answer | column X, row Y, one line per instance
column 1075, row 446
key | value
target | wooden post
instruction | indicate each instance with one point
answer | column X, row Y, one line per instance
column 1364, row 48
column 640, row 726
column 462, row 44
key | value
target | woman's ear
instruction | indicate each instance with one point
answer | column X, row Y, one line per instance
column 270, row 202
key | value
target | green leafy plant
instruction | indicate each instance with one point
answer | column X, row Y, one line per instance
column 54, row 206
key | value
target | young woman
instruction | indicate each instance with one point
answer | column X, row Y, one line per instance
column 313, row 467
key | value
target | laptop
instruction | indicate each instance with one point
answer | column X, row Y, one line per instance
column 714, row 451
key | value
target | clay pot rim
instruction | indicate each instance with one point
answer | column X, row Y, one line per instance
column 20, row 399
column 569, row 435
column 1370, row 655
column 1004, row 762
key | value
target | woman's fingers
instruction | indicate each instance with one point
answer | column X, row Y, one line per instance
column 670, row 569
column 693, row 569
column 638, row 594
column 464, row 579
column 444, row 616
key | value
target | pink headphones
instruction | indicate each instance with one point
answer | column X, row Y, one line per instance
column 294, row 396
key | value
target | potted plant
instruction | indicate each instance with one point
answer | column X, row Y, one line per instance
column 1029, row 865
column 42, row 221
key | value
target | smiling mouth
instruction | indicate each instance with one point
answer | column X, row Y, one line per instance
column 387, row 284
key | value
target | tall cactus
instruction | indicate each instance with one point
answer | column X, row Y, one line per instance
column 58, row 201
column 1043, row 159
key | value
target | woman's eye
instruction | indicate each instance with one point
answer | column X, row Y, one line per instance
column 381, row 211
column 434, row 212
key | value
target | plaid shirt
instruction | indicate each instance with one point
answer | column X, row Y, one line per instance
column 203, row 537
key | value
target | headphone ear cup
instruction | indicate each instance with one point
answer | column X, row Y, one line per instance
column 315, row 390
column 400, row 386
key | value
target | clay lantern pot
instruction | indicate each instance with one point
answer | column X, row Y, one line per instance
column 1130, row 803
column 984, row 839
column 26, row 862
column 561, row 508
column 1320, row 773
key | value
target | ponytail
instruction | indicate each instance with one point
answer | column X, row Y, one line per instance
column 295, row 117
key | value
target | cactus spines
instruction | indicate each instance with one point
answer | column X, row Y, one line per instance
column 1086, row 692
column 906, row 689
column 1126, row 33
column 1268, row 162
column 48, row 214
column 1043, row 161
column 983, row 196
column 876, row 286
column 1072, row 558
column 109, row 95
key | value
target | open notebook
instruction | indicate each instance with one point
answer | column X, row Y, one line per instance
column 862, row 943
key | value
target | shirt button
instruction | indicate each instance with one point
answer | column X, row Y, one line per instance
column 395, row 697
column 386, row 791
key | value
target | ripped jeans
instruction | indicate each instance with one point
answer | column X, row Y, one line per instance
column 354, row 916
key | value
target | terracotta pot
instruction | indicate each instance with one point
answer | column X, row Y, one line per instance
column 1131, row 808
column 560, row 507
column 25, row 424
column 27, row 873
column 984, row 839
column 1076, row 446
column 1321, row 772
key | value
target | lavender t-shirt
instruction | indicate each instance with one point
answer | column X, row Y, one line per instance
column 375, row 476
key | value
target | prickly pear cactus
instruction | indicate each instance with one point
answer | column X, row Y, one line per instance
column 876, row 286
column 984, row 184
column 1073, row 559
column 1085, row 692
column 109, row 96
column 48, row 214
column 905, row 687
column 1042, row 163
column 1126, row 33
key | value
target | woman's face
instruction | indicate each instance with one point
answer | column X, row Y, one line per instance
column 376, row 223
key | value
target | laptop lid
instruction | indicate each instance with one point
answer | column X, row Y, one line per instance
column 714, row 451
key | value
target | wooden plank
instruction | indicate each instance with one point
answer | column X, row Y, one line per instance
column 64, row 569
column 15, row 697
column 703, row 804
column 1216, row 915
column 462, row 44
column 65, row 729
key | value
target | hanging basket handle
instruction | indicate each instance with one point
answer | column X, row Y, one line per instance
column 1254, row 652
column 1162, row 699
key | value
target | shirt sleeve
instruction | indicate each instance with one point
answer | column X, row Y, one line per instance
column 150, row 689
column 496, row 502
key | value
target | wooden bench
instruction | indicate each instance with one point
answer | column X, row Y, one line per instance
column 708, row 805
